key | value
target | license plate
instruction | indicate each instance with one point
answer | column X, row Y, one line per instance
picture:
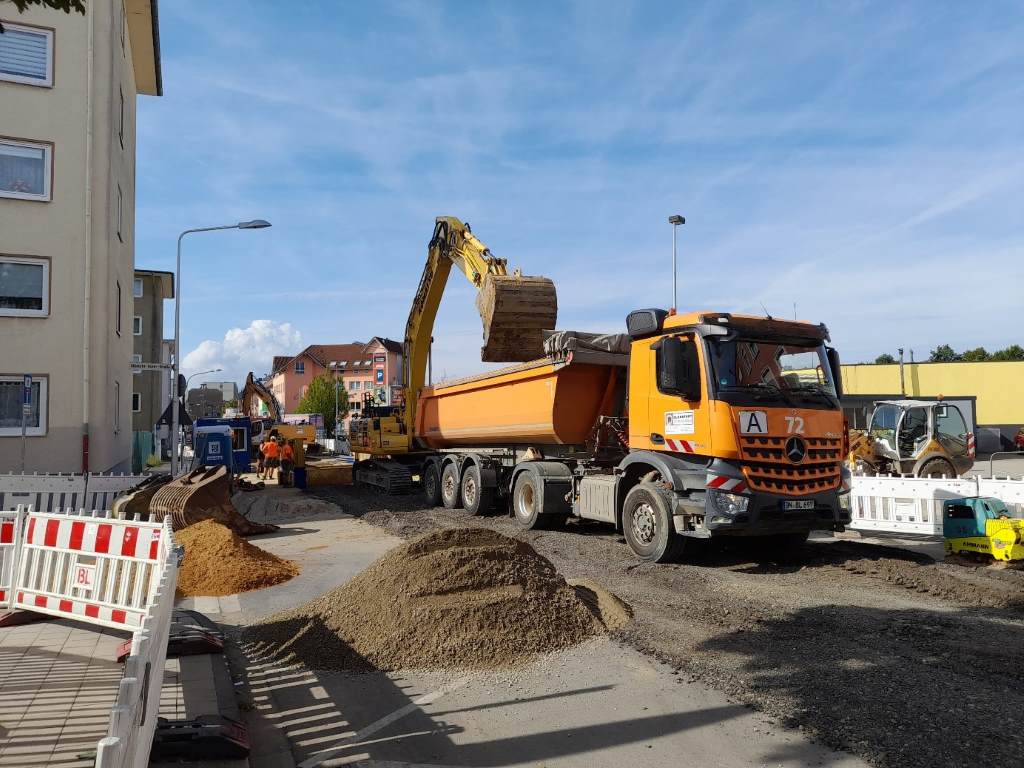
column 800, row 504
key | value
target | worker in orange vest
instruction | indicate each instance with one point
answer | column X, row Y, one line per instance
column 287, row 462
column 272, row 452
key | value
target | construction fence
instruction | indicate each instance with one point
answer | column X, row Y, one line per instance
column 53, row 493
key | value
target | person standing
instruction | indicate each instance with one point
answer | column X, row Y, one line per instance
column 272, row 454
column 287, row 462
column 260, row 460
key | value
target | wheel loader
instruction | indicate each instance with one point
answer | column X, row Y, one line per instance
column 922, row 438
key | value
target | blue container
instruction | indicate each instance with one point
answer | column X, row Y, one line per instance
column 299, row 477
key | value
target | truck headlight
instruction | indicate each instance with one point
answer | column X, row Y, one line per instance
column 844, row 501
column 729, row 503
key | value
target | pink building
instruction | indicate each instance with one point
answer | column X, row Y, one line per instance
column 369, row 373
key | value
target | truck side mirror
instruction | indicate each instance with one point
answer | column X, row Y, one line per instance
column 837, row 369
column 678, row 369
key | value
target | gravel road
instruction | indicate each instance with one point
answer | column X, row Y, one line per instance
column 876, row 650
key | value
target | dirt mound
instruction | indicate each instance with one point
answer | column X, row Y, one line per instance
column 219, row 562
column 457, row 598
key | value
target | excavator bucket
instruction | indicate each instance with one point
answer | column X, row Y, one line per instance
column 203, row 494
column 134, row 504
column 515, row 310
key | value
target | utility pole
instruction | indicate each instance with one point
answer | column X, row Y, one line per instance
column 903, row 384
column 675, row 220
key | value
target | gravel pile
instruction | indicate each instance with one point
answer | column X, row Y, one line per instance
column 219, row 562
column 467, row 598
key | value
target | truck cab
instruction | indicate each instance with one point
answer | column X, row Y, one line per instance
column 739, row 417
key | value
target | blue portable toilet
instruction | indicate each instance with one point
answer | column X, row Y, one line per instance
column 213, row 447
column 241, row 432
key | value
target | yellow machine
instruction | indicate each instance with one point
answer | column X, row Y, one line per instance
column 913, row 437
column 982, row 526
column 733, row 428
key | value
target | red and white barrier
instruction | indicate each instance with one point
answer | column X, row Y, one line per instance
column 95, row 569
column 10, row 540
column 134, row 715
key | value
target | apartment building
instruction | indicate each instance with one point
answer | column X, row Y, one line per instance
column 150, row 388
column 369, row 372
column 68, row 88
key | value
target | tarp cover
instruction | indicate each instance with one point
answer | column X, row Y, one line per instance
column 557, row 343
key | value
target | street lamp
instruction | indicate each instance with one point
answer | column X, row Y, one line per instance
column 675, row 220
column 254, row 224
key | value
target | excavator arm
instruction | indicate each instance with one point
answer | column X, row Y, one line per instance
column 515, row 309
column 254, row 390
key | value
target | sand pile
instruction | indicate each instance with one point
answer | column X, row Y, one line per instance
column 457, row 598
column 219, row 562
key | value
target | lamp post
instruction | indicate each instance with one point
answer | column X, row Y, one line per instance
column 675, row 220
column 254, row 224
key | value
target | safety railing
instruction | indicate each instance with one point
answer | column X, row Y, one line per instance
column 134, row 715
column 53, row 493
column 913, row 505
column 10, row 543
column 89, row 567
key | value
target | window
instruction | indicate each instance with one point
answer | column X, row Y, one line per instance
column 119, row 201
column 25, row 169
column 26, row 55
column 117, row 407
column 24, row 287
column 136, row 326
column 136, row 359
column 950, row 422
column 137, row 288
column 117, row 316
column 136, row 402
column 11, row 388
column 120, row 120
column 300, row 366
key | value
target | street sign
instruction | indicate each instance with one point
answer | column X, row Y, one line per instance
column 151, row 366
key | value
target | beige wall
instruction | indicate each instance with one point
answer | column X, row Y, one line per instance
column 57, row 230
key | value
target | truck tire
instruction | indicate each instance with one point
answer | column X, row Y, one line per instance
column 528, row 504
column 476, row 499
column 432, row 485
column 937, row 468
column 451, row 491
column 647, row 525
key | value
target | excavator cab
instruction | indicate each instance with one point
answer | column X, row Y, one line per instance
column 915, row 437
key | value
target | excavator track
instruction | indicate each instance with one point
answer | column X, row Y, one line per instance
column 384, row 475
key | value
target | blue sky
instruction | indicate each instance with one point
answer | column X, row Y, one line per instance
column 863, row 160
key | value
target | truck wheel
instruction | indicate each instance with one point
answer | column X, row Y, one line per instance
column 937, row 468
column 450, row 491
column 527, row 501
column 475, row 498
column 647, row 525
column 432, row 485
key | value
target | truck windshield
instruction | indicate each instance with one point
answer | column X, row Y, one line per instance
column 770, row 370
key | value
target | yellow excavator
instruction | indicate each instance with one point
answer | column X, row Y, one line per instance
column 515, row 310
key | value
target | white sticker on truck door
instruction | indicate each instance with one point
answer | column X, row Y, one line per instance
column 678, row 422
column 753, row 423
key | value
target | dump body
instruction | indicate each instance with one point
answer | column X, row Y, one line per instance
column 543, row 402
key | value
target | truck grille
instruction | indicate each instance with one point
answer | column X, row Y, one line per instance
column 767, row 469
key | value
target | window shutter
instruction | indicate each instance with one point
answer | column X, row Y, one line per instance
column 25, row 53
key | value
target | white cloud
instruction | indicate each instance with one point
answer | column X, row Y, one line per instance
column 243, row 350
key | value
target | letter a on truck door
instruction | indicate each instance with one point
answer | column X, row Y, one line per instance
column 753, row 423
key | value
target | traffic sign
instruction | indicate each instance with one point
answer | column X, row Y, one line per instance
column 151, row 366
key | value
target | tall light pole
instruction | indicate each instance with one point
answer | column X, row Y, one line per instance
column 254, row 224
column 675, row 220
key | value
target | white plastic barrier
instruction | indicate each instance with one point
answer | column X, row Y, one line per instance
column 101, row 490
column 46, row 493
column 10, row 539
column 134, row 715
column 913, row 505
column 89, row 568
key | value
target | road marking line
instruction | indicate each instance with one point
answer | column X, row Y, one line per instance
column 378, row 725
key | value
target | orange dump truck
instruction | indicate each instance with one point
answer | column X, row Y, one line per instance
column 701, row 425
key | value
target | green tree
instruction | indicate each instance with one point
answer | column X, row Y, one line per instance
column 60, row 5
column 885, row 359
column 943, row 354
column 319, row 398
column 978, row 355
column 1012, row 352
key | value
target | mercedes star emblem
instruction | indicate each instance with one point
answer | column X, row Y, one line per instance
column 795, row 450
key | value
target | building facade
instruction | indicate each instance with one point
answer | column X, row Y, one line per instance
column 151, row 389
column 228, row 389
column 369, row 373
column 987, row 393
column 68, row 87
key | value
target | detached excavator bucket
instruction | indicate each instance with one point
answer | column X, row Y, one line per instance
column 515, row 310
column 203, row 494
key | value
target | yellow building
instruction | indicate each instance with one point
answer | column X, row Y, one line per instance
column 992, row 393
